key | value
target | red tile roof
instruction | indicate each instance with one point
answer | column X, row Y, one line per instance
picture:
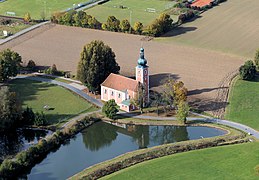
column 201, row 3
column 121, row 83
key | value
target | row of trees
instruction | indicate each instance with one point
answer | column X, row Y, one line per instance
column 249, row 69
column 80, row 19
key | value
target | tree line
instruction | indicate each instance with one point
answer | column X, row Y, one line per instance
column 159, row 26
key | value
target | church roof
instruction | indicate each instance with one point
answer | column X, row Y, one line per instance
column 121, row 83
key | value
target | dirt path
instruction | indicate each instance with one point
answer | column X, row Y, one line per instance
column 201, row 70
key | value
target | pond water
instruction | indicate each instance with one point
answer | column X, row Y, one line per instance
column 13, row 142
column 103, row 141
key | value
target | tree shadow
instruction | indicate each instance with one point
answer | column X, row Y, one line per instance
column 207, row 105
column 157, row 80
column 179, row 31
column 200, row 91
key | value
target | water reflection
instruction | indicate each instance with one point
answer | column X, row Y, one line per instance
column 103, row 141
column 13, row 142
column 103, row 134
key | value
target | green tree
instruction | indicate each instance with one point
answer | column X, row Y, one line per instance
column 94, row 23
column 68, row 18
column 160, row 25
column 10, row 63
column 138, row 27
column 247, row 71
column 110, row 109
column 40, row 119
column 113, row 24
column 256, row 59
column 28, row 116
column 96, row 63
column 10, row 109
column 125, row 25
column 168, row 92
column 182, row 111
column 27, row 17
column 79, row 18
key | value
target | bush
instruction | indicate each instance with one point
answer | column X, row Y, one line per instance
column 31, row 65
column 110, row 109
column 40, row 119
column 247, row 71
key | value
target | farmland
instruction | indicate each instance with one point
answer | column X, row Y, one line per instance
column 201, row 70
column 36, row 7
column 232, row 27
column 135, row 9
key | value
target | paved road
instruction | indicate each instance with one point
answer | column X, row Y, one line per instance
column 2, row 41
column 98, row 103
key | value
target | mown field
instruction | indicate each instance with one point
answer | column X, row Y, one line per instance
column 135, row 9
column 232, row 27
column 244, row 103
column 36, row 7
column 227, row 162
column 62, row 102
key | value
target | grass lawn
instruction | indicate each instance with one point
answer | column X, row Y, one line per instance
column 37, row 94
column 227, row 162
column 36, row 7
column 136, row 8
column 244, row 103
column 12, row 29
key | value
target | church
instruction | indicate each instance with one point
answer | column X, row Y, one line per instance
column 122, row 89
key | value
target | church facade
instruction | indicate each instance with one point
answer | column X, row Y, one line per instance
column 122, row 89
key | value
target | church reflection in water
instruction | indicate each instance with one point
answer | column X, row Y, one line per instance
column 103, row 134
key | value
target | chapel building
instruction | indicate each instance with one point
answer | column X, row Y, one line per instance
column 122, row 89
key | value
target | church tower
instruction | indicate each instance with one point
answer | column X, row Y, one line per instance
column 142, row 74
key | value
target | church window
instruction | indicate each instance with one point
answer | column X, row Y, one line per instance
column 105, row 91
column 119, row 95
column 112, row 93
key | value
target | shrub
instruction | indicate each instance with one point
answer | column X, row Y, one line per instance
column 247, row 71
column 40, row 119
column 31, row 65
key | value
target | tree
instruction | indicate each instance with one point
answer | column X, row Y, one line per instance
column 10, row 109
column 160, row 25
column 139, row 100
column 31, row 65
column 180, row 93
column 125, row 25
column 27, row 17
column 28, row 116
column 182, row 111
column 110, row 109
column 96, row 63
column 247, row 71
column 138, row 27
column 168, row 92
column 94, row 23
column 113, row 24
column 68, row 18
column 40, row 119
column 10, row 63
column 256, row 59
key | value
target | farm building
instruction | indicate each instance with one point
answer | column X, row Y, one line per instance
column 122, row 89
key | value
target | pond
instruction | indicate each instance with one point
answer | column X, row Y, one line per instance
column 103, row 141
column 13, row 142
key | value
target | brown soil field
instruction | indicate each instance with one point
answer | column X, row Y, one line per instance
column 231, row 27
column 204, row 72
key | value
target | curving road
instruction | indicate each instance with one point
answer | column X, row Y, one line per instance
column 98, row 103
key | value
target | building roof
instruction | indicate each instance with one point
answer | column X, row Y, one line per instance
column 126, row 102
column 121, row 83
column 201, row 3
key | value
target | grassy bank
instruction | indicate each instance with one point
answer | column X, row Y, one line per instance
column 237, row 162
column 132, row 158
column 63, row 104
column 133, row 10
column 244, row 103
